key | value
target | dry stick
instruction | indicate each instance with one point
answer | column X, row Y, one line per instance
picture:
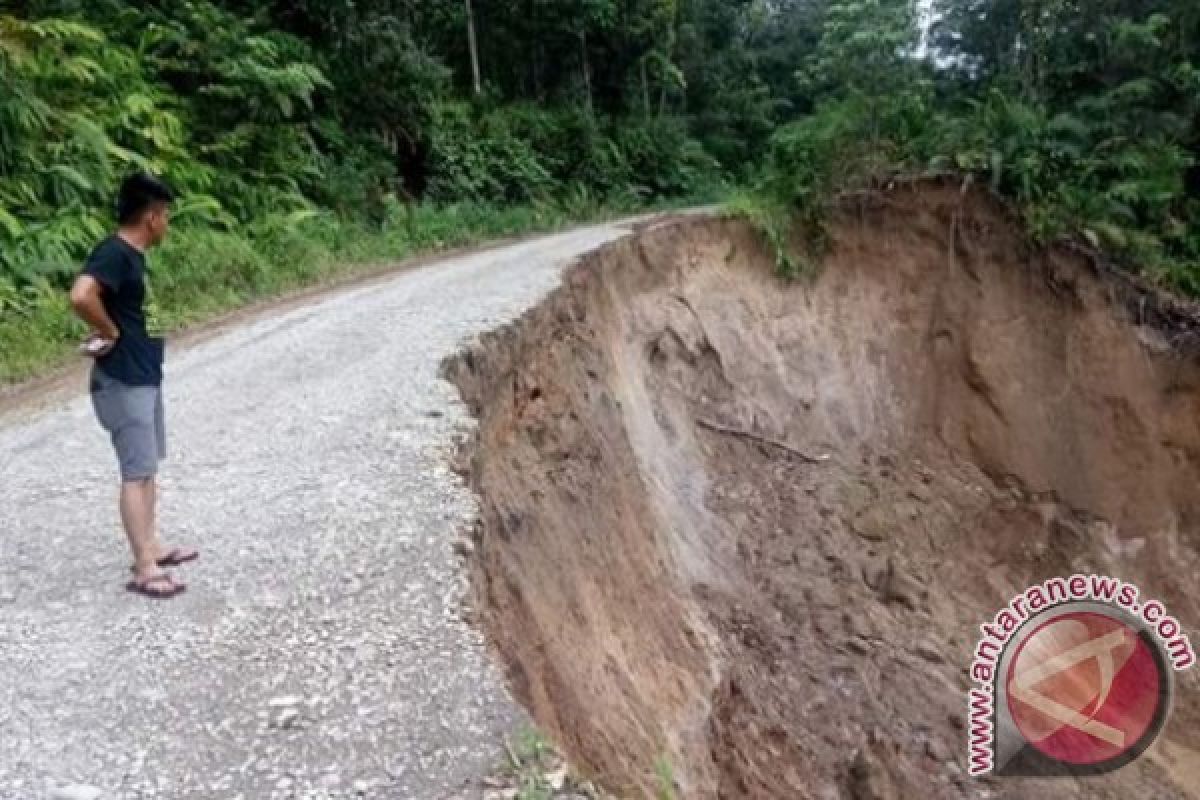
column 712, row 426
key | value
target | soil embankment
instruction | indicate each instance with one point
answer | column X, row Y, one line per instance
column 750, row 528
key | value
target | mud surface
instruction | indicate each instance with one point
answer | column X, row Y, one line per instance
column 674, row 573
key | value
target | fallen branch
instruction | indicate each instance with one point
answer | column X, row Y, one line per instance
column 713, row 426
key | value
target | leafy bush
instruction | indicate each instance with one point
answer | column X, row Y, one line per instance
column 1092, row 132
column 304, row 135
column 76, row 111
column 663, row 158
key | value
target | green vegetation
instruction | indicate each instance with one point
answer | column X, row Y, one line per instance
column 307, row 135
column 302, row 135
column 201, row 271
column 530, row 757
column 1086, row 115
column 664, row 773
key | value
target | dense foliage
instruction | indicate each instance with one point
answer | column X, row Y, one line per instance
column 255, row 110
column 1087, row 114
column 306, row 132
column 295, row 131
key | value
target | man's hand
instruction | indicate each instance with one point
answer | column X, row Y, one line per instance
column 97, row 346
column 88, row 304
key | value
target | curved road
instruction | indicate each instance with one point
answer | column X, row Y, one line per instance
column 319, row 652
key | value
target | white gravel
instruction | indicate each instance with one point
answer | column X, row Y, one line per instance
column 319, row 652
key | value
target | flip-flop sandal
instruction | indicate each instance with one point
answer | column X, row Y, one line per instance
column 178, row 557
column 152, row 587
column 175, row 558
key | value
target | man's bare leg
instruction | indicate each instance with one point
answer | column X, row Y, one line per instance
column 137, row 515
column 153, row 506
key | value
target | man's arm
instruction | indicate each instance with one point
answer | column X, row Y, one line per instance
column 86, row 299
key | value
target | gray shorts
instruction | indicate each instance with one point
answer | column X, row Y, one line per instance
column 133, row 417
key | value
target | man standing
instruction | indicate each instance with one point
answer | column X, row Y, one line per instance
column 109, row 295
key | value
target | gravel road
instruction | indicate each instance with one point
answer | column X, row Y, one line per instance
column 319, row 652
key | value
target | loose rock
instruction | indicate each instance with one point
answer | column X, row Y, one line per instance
column 869, row 780
column 77, row 792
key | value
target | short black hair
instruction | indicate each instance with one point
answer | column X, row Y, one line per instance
column 138, row 193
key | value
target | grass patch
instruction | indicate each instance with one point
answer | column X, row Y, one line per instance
column 797, row 241
column 530, row 756
column 664, row 774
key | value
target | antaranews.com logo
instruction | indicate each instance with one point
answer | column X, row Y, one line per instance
column 1074, row 677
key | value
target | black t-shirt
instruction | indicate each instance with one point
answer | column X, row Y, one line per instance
column 121, row 269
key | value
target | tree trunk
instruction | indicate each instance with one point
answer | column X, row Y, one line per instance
column 645, row 88
column 474, row 47
column 1030, row 67
column 537, row 53
column 537, row 72
column 587, row 69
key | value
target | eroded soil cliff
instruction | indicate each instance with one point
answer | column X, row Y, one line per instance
column 749, row 528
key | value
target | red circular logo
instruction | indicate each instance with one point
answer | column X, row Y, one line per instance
column 1085, row 688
